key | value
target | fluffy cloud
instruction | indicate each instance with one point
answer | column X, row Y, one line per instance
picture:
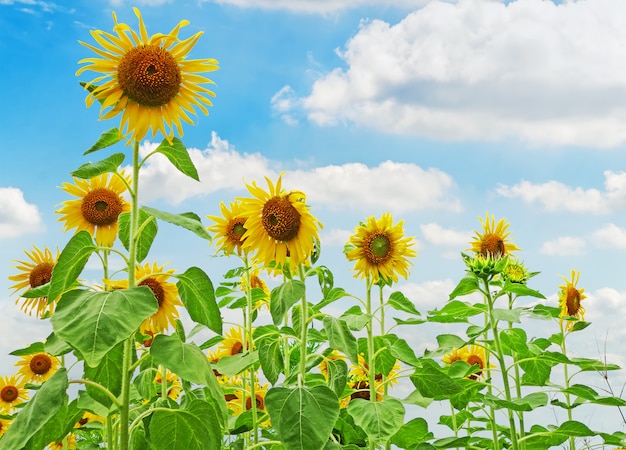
column 317, row 6
column 390, row 186
column 438, row 235
column 17, row 216
column 556, row 196
column 563, row 246
column 429, row 295
column 610, row 236
column 481, row 69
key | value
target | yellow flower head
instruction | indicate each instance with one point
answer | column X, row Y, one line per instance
column 12, row 393
column 38, row 367
column 361, row 372
column 229, row 229
column 239, row 399
column 165, row 292
column 256, row 282
column 34, row 273
column 88, row 417
column 232, row 344
column 361, row 389
column 493, row 242
column 68, row 441
column 278, row 225
column 380, row 249
column 97, row 208
column 174, row 386
column 569, row 300
column 4, row 425
column 471, row 354
column 147, row 79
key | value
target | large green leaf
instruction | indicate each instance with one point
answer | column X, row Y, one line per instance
column 194, row 428
column 271, row 358
column 412, row 433
column 398, row 301
column 303, row 417
column 521, row 290
column 95, row 322
column 400, row 349
column 106, row 139
column 147, row 231
column 467, row 285
column 197, row 293
column 337, row 375
column 433, row 383
column 235, row 364
column 107, row 373
column 57, row 427
column 455, row 311
column 44, row 405
column 179, row 157
column 379, row 420
column 284, row 297
column 107, row 165
column 70, row 264
column 341, row 338
column 189, row 221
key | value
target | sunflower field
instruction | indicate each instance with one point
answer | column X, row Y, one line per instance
column 120, row 371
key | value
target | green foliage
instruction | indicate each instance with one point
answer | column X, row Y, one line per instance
column 193, row 428
column 106, row 139
column 71, row 263
column 380, row 420
column 107, row 165
column 189, row 221
column 197, row 294
column 147, row 232
column 178, row 156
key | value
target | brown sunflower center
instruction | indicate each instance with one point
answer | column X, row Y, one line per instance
column 362, row 390
column 492, row 245
column 156, row 288
column 40, row 274
column 83, row 421
column 9, row 394
column 377, row 248
column 236, row 348
column 260, row 404
column 572, row 301
column 101, row 207
column 281, row 219
column 475, row 360
column 236, row 230
column 40, row 364
column 230, row 397
column 149, row 75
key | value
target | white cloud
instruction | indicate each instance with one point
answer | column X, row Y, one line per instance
column 429, row 295
column 390, row 186
column 438, row 235
column 556, row 196
column 17, row 216
column 335, row 237
column 610, row 236
column 317, row 6
column 563, row 246
column 481, row 69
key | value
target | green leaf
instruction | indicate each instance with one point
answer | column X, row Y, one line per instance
column 179, row 157
column 412, row 433
column 44, row 405
column 449, row 341
column 379, row 420
column 35, row 347
column 337, row 375
column 107, row 373
column 303, row 417
column 545, row 312
column 521, row 290
column 148, row 227
column 454, row 311
column 514, row 342
column 574, row 428
column 579, row 326
column 197, row 293
column 188, row 221
column 271, row 358
column 355, row 318
column 56, row 346
column 536, row 372
column 284, row 297
column 106, row 139
column 107, row 165
column 57, row 427
column 235, row 364
column 398, row 301
column 193, row 428
column 467, row 285
column 507, row 315
column 95, row 322
column 433, row 383
column 416, row 398
column 70, row 264
column 400, row 349
column 341, row 338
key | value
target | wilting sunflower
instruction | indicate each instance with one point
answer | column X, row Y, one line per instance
column 380, row 249
column 278, row 225
column 35, row 273
column 493, row 242
column 165, row 292
column 4, row 425
column 38, row 367
column 262, row 295
column 174, row 386
column 570, row 298
column 97, row 208
column 229, row 228
column 12, row 393
column 147, row 79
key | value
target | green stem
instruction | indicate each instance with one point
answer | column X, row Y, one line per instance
column 568, row 400
column 108, row 393
column 491, row 414
column 249, row 342
column 109, row 431
column 371, row 370
column 518, row 387
column 303, row 332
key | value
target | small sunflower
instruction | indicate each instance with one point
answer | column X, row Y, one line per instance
column 256, row 282
column 474, row 355
column 232, row 344
column 457, row 354
column 38, row 367
column 68, row 442
column 278, row 225
column 493, row 242
column 97, row 208
column 570, row 299
column 229, row 229
column 174, row 386
column 380, row 249
column 4, row 425
column 165, row 292
column 147, row 79
column 516, row 272
column 88, row 417
column 12, row 393
column 239, row 399
column 35, row 273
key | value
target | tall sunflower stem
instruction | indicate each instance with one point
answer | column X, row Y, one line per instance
column 382, row 333
column 568, row 400
column 249, row 342
column 304, row 325
column 518, row 387
column 371, row 371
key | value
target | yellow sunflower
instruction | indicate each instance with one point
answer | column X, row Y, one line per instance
column 165, row 292
column 570, row 298
column 4, row 425
column 239, row 399
column 278, row 225
column 38, row 367
column 229, row 228
column 147, row 79
column 256, row 282
column 88, row 417
column 380, row 249
column 493, row 242
column 361, row 389
column 12, row 393
column 334, row 356
column 35, row 273
column 474, row 355
column 68, row 441
column 232, row 344
column 457, row 354
column 97, row 208
column 361, row 372
column 174, row 386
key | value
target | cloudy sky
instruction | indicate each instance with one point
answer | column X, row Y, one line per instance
column 435, row 111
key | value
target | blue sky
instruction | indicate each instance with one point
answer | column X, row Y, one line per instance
column 435, row 111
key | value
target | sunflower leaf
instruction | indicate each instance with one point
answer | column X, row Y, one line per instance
column 197, row 293
column 341, row 338
column 107, row 165
column 106, row 139
column 107, row 373
column 283, row 297
column 148, row 227
column 70, row 264
column 35, row 347
column 177, row 153
column 57, row 427
column 187, row 220
column 271, row 358
column 380, row 420
column 398, row 301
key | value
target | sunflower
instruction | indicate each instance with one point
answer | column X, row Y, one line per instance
column 474, row 355
column 97, row 208
column 239, row 399
column 232, row 344
column 4, row 425
column 334, row 356
column 457, row 354
column 34, row 273
column 361, row 389
column 361, row 372
column 37, row 367
column 88, row 417
column 493, row 241
column 569, row 300
column 256, row 282
column 147, row 79
column 12, row 393
column 278, row 225
column 68, row 442
column 229, row 228
column 165, row 292
column 380, row 249
column 174, row 386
